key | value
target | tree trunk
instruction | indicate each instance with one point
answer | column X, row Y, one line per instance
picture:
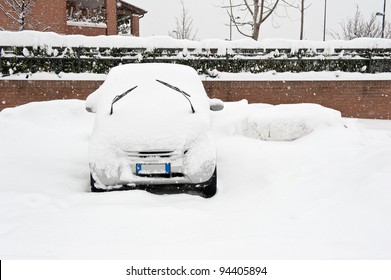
column 22, row 17
column 257, row 27
column 256, row 21
column 302, row 20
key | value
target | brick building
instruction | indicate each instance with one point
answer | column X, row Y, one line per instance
column 86, row 17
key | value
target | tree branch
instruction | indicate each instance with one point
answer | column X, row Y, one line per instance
column 248, row 7
column 270, row 11
column 7, row 13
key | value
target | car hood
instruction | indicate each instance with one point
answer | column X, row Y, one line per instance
column 144, row 121
column 157, row 133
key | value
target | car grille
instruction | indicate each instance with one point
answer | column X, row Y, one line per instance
column 152, row 154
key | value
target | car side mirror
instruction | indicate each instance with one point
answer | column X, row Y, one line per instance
column 216, row 104
column 91, row 102
column 90, row 110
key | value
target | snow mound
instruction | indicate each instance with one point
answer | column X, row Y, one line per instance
column 289, row 122
column 232, row 120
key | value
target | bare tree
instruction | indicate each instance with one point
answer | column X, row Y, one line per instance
column 357, row 27
column 184, row 25
column 301, row 6
column 17, row 11
column 248, row 15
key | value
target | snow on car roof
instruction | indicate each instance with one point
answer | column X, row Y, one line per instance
column 152, row 81
column 123, row 76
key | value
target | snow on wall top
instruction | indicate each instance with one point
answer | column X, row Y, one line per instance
column 35, row 39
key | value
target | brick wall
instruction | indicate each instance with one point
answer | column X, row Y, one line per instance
column 363, row 99
column 49, row 16
column 111, row 17
column 45, row 16
column 358, row 99
column 18, row 92
column 135, row 25
column 52, row 16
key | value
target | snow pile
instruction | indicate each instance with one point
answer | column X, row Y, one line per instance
column 284, row 122
column 232, row 120
column 289, row 122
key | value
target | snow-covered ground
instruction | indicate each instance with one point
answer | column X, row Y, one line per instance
column 325, row 195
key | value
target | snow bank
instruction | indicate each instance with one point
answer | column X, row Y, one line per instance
column 289, row 122
column 219, row 76
column 232, row 120
column 285, row 122
column 35, row 39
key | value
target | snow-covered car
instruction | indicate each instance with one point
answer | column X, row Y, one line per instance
column 153, row 131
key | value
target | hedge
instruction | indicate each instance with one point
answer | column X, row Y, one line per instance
column 100, row 60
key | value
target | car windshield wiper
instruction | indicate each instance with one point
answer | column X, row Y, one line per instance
column 118, row 97
column 186, row 95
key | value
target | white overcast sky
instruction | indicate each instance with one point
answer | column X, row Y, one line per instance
column 212, row 21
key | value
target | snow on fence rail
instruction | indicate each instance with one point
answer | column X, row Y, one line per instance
column 31, row 51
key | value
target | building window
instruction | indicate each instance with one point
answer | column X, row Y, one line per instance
column 89, row 11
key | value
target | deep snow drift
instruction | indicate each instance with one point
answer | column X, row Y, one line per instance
column 325, row 195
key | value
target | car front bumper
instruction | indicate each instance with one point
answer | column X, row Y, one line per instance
column 187, row 166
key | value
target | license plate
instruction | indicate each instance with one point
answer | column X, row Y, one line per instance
column 155, row 168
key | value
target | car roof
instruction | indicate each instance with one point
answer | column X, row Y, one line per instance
column 123, row 77
column 151, row 80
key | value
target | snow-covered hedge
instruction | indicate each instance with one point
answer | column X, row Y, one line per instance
column 31, row 51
